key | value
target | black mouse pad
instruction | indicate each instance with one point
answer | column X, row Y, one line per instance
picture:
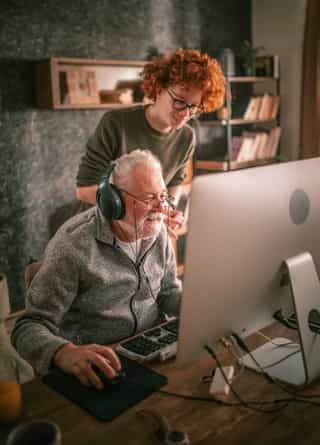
column 112, row 400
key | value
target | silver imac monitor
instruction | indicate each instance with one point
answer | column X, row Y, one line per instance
column 245, row 228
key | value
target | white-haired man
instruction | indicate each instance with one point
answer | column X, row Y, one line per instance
column 102, row 279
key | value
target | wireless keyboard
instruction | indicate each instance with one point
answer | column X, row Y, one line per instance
column 159, row 342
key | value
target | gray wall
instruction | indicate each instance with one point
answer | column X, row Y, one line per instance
column 279, row 27
column 40, row 150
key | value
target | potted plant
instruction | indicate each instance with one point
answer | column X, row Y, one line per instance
column 247, row 56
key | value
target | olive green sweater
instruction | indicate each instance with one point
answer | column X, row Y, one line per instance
column 124, row 130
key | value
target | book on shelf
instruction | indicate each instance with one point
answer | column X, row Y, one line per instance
column 265, row 107
column 274, row 107
column 262, row 107
column 263, row 138
column 255, row 141
column 271, row 147
column 236, row 143
column 239, row 106
column 247, row 149
column 252, row 145
column 252, row 110
column 248, row 111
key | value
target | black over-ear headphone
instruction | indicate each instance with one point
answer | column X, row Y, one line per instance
column 109, row 199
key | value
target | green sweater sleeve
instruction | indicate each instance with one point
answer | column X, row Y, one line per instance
column 181, row 173
column 102, row 148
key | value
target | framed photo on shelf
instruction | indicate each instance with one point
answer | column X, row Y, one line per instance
column 80, row 87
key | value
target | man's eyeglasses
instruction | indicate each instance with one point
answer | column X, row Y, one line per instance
column 180, row 105
column 150, row 198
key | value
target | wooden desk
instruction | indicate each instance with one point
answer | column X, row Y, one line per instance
column 205, row 422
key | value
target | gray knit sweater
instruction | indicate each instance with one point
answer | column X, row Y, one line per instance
column 88, row 290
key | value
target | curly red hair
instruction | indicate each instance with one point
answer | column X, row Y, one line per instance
column 189, row 67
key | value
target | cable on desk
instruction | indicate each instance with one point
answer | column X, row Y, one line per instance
column 283, row 320
column 295, row 393
column 283, row 359
column 229, row 344
column 243, row 402
column 279, row 345
column 250, row 404
column 291, row 322
column 213, row 399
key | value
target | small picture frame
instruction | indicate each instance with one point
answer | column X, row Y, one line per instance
column 81, row 87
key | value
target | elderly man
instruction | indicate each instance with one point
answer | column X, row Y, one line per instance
column 104, row 276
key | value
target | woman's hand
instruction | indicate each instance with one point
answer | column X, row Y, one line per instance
column 174, row 222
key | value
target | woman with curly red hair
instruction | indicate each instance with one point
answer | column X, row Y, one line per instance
column 179, row 86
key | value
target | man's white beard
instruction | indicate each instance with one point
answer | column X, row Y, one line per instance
column 137, row 232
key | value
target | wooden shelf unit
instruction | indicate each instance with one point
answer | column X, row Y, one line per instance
column 229, row 123
column 50, row 84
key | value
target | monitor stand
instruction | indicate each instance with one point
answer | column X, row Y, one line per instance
column 302, row 367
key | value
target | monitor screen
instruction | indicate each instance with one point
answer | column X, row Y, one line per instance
column 242, row 226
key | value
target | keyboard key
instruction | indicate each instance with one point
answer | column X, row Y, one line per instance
column 172, row 326
column 168, row 339
column 141, row 345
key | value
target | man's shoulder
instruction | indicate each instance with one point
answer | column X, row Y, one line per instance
column 80, row 224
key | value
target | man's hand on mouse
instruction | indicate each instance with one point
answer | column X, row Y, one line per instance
column 78, row 360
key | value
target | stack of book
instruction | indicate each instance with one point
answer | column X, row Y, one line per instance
column 262, row 108
column 252, row 145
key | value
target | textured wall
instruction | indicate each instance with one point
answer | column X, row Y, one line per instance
column 40, row 150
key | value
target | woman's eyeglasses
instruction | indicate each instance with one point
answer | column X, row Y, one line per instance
column 180, row 105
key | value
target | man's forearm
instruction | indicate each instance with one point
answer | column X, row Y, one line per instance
column 36, row 343
column 87, row 194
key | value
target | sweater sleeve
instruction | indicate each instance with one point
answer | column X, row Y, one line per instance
column 102, row 148
column 181, row 172
column 169, row 296
column 36, row 333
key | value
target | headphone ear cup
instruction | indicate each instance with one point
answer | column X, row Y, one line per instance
column 109, row 199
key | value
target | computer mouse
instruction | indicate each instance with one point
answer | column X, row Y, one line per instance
column 119, row 377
